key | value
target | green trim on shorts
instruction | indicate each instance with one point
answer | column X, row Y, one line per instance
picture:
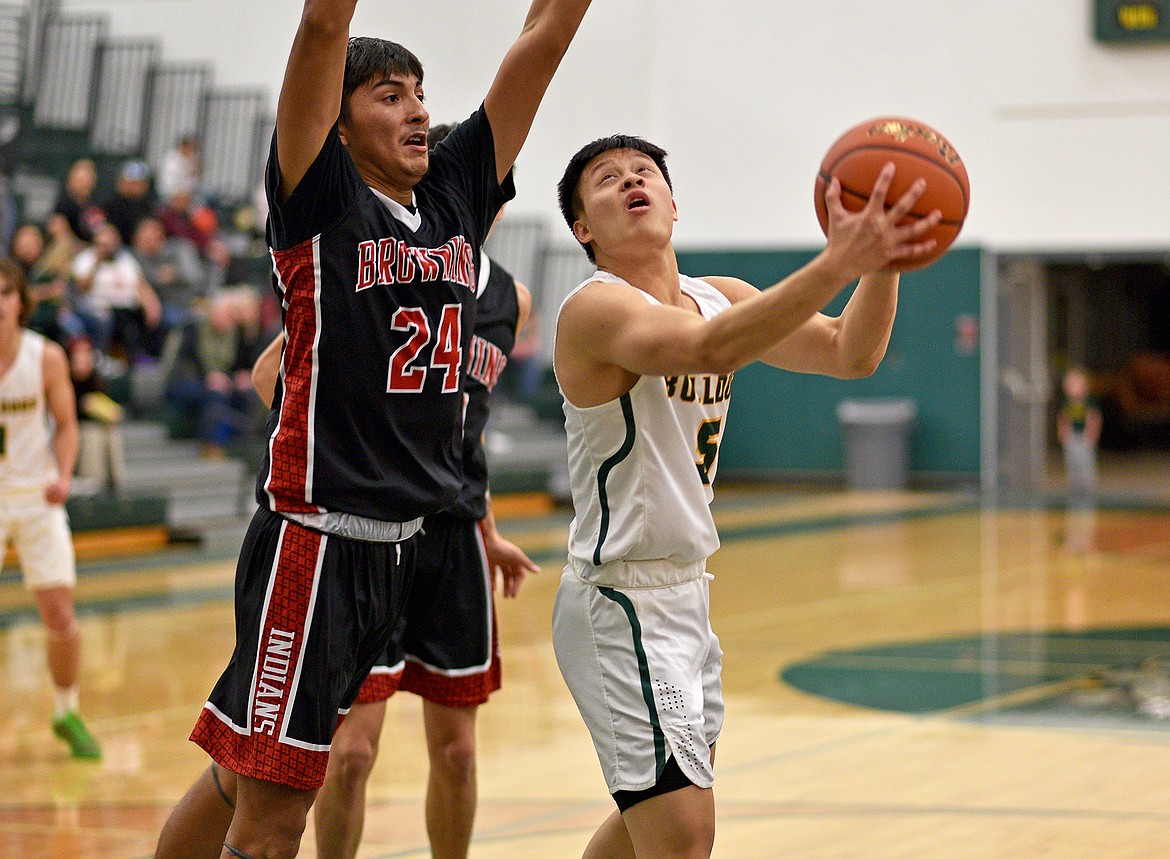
column 643, row 672
column 607, row 467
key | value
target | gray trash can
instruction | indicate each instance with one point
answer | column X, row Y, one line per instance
column 877, row 438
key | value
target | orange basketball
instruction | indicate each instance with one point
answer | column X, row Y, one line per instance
column 916, row 150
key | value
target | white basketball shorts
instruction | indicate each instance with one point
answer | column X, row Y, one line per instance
column 41, row 537
column 643, row 666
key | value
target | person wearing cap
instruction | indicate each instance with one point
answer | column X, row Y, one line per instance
column 132, row 199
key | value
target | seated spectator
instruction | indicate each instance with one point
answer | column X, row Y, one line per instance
column 101, row 456
column 45, row 291
column 131, row 201
column 182, row 169
column 113, row 299
column 76, row 203
column 199, row 225
column 207, row 367
column 173, row 269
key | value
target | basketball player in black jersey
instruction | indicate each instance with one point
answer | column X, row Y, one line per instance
column 374, row 244
column 446, row 648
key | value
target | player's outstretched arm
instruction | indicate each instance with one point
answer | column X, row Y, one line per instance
column 525, row 73
column 310, row 96
column 607, row 330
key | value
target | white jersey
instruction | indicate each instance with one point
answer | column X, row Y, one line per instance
column 641, row 469
column 26, row 465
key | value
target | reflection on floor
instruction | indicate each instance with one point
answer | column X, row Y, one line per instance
column 922, row 596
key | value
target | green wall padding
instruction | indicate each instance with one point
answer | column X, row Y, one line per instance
column 787, row 422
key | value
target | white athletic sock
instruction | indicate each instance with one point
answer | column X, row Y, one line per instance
column 65, row 701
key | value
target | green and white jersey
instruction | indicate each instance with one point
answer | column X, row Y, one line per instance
column 25, row 463
column 641, row 469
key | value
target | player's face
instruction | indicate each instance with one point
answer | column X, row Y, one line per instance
column 386, row 132
column 10, row 306
column 624, row 199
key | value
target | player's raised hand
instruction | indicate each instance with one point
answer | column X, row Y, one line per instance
column 875, row 237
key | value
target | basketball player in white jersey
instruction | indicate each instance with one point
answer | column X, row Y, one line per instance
column 36, row 470
column 644, row 357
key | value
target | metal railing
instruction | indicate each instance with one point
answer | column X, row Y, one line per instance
column 122, row 82
column 37, row 14
column 12, row 33
column 174, row 107
column 64, row 95
column 229, row 142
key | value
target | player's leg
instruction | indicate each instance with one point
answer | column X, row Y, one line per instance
column 45, row 546
column 611, row 840
column 269, row 821
column 674, row 818
column 679, row 824
column 451, row 784
column 63, row 643
column 453, row 663
column 198, row 825
column 340, row 810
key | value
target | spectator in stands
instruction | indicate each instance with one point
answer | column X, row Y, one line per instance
column 76, row 201
column 173, row 268
column 101, row 458
column 198, row 224
column 131, row 201
column 207, row 367
column 45, row 289
column 113, row 299
column 182, row 169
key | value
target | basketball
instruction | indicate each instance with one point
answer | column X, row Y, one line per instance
column 917, row 151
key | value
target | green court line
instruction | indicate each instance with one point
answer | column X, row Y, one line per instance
column 964, row 504
column 133, row 603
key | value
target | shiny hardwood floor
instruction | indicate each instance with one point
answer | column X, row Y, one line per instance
column 801, row 574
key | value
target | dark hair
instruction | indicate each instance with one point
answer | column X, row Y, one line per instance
column 568, row 194
column 11, row 271
column 366, row 57
column 436, row 133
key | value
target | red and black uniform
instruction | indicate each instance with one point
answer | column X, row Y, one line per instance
column 364, row 439
column 446, row 648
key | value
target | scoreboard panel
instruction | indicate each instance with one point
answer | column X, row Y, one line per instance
column 1128, row 21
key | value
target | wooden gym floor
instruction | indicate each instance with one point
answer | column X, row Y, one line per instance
column 959, row 680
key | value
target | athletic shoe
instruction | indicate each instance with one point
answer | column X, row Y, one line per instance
column 81, row 742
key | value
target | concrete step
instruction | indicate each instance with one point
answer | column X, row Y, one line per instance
column 144, row 435
column 198, row 512
column 185, row 476
column 173, row 451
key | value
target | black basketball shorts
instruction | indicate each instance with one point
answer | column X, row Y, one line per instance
column 313, row 613
column 446, row 647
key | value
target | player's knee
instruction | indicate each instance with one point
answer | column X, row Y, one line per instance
column 456, row 756
column 353, row 759
column 55, row 606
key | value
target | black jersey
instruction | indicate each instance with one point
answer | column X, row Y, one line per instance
column 378, row 304
column 497, row 310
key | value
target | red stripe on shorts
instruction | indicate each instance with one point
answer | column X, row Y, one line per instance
column 379, row 686
column 262, row 751
column 467, row 690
